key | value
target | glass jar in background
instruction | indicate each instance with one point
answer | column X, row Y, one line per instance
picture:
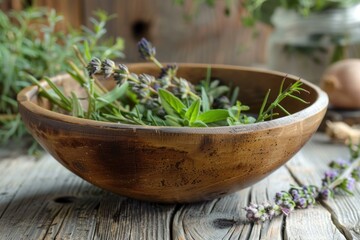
column 305, row 46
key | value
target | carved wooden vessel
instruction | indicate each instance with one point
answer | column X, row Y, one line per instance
column 171, row 164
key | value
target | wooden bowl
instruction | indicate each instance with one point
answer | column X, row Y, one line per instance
column 173, row 164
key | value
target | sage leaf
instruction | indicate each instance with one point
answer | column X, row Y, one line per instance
column 171, row 103
column 198, row 123
column 193, row 111
column 205, row 103
column 213, row 115
column 173, row 121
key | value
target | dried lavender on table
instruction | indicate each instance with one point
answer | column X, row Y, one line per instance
column 341, row 177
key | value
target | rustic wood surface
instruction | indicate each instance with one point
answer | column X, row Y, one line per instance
column 40, row 199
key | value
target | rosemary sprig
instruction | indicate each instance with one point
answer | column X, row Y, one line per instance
column 288, row 92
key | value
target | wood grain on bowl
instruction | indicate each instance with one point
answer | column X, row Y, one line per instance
column 171, row 164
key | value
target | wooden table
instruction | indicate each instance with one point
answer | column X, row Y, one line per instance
column 40, row 199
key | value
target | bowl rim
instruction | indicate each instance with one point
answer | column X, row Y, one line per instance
column 25, row 95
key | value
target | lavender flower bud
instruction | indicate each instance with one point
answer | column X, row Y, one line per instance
column 145, row 48
column 329, row 177
column 107, row 67
column 169, row 71
column 121, row 75
column 183, row 88
column 261, row 213
column 123, row 69
column 325, row 193
column 94, row 66
column 146, row 79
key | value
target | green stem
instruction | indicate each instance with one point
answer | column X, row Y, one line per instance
column 157, row 63
column 345, row 174
column 7, row 117
column 90, row 90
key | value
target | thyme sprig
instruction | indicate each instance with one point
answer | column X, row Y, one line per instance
column 164, row 100
column 341, row 177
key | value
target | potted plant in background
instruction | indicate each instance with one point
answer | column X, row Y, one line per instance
column 307, row 36
column 30, row 43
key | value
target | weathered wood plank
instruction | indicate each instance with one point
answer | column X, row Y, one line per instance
column 42, row 200
column 224, row 218
column 210, row 36
column 39, row 199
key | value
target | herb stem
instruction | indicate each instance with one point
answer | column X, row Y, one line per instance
column 346, row 173
column 157, row 63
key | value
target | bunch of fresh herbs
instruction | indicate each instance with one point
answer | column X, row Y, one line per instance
column 340, row 178
column 164, row 100
column 31, row 44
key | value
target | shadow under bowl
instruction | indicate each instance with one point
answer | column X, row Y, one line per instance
column 173, row 164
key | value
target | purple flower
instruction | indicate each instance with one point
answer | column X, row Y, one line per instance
column 329, row 176
column 349, row 184
column 261, row 213
column 107, row 67
column 325, row 193
column 121, row 75
column 94, row 66
column 169, row 70
column 145, row 48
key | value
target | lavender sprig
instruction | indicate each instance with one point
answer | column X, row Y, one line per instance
column 148, row 52
column 341, row 177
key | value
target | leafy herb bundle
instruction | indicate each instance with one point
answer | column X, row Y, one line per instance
column 166, row 100
column 30, row 43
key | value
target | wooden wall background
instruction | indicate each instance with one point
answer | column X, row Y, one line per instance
column 209, row 37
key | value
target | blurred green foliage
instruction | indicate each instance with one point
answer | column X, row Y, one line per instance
column 30, row 42
column 261, row 10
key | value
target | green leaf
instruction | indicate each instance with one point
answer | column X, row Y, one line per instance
column 193, row 111
column 171, row 103
column 219, row 91
column 198, row 123
column 233, row 112
column 234, row 96
column 53, row 98
column 205, row 100
column 77, row 109
column 214, row 115
column 263, row 105
column 58, row 92
column 214, row 84
column 87, row 51
column 173, row 121
column 112, row 96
